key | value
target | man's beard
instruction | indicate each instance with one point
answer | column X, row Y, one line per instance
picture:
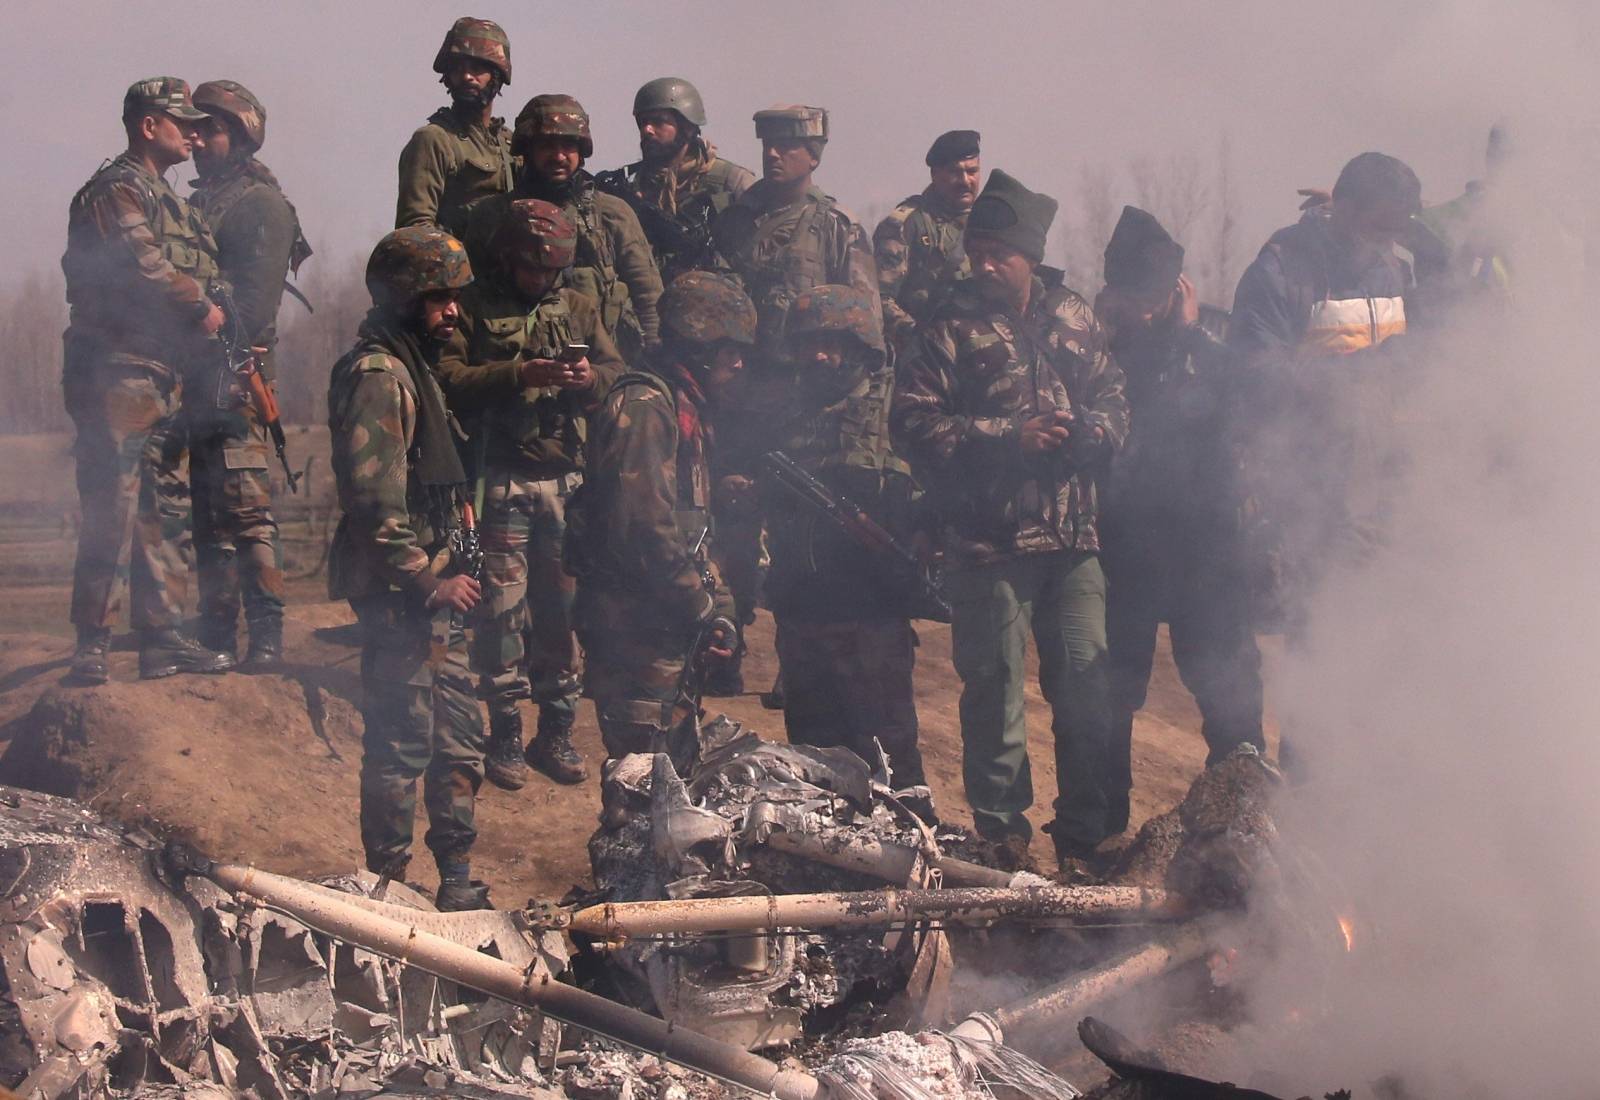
column 657, row 154
column 468, row 98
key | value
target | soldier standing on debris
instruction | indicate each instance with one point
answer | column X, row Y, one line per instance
column 138, row 266
column 462, row 154
column 844, row 634
column 396, row 557
column 1010, row 408
column 782, row 237
column 258, row 242
column 679, row 176
column 528, row 362
column 918, row 246
column 614, row 266
column 1169, row 520
column 1318, row 323
column 638, row 534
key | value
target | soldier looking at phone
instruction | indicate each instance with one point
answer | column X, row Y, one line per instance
column 528, row 362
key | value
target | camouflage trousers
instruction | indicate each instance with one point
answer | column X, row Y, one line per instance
column 522, row 640
column 850, row 682
column 131, row 490
column 420, row 719
column 631, row 667
column 236, row 541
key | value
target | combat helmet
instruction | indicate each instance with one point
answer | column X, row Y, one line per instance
column 233, row 100
column 671, row 93
column 413, row 261
column 553, row 116
column 708, row 309
column 479, row 39
column 835, row 307
column 792, row 121
column 537, row 230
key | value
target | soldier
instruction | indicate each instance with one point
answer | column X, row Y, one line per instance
column 782, row 237
column 462, row 154
column 637, row 535
column 138, row 266
column 258, row 242
column 844, row 632
column 1319, row 323
column 527, row 364
column 1169, row 524
column 918, row 246
column 1009, row 408
column 679, row 182
column 402, row 486
column 614, row 266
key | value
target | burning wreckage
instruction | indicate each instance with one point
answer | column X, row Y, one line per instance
column 775, row 902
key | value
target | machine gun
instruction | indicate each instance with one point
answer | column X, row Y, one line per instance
column 928, row 600
column 681, row 243
column 241, row 382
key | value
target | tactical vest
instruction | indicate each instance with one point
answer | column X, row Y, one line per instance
column 594, row 273
column 511, row 430
column 214, row 203
column 119, row 301
column 864, row 428
column 777, row 272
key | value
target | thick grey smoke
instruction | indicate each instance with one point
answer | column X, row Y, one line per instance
column 1446, row 701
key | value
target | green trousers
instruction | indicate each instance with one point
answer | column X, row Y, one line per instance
column 1059, row 597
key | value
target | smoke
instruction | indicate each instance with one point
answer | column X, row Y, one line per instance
column 1444, row 698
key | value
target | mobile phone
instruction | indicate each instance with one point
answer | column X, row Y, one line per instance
column 573, row 352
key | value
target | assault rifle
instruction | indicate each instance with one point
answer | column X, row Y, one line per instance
column 243, row 364
column 678, row 732
column 929, row 600
column 680, row 243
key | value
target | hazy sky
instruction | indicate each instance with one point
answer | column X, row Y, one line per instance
column 1299, row 87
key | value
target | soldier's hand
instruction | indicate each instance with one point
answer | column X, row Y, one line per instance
column 579, row 374
column 539, row 373
column 735, row 491
column 458, row 593
column 1186, row 302
column 1045, row 432
column 720, row 639
column 212, row 321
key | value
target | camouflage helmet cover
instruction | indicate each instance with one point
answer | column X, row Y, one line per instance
column 413, row 261
column 479, row 39
column 837, row 308
column 233, row 100
column 671, row 93
column 554, row 115
column 792, row 121
column 538, row 231
column 704, row 308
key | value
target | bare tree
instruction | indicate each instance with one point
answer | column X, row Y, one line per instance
column 1091, row 213
column 32, row 315
column 312, row 342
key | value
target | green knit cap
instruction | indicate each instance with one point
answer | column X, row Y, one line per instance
column 1011, row 213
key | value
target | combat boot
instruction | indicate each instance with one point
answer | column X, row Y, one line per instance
column 502, row 760
column 170, row 651
column 551, row 751
column 460, row 895
column 89, row 665
column 265, row 652
column 219, row 635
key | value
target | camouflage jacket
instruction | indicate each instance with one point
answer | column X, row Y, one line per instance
column 138, row 265
column 615, row 267
column 634, row 527
column 258, row 242
column 447, row 166
column 840, row 436
column 536, row 432
column 779, row 251
column 918, row 247
column 390, row 534
column 689, row 201
column 972, row 375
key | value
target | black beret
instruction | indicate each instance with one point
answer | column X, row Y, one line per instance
column 951, row 146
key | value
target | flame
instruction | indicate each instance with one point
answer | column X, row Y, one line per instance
column 1347, row 926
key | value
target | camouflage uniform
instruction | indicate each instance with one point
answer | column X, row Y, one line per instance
column 138, row 265
column 258, row 240
column 778, row 252
column 420, row 716
column 639, row 530
column 449, row 163
column 918, row 247
column 844, row 636
column 615, row 267
column 531, row 447
column 1021, row 535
